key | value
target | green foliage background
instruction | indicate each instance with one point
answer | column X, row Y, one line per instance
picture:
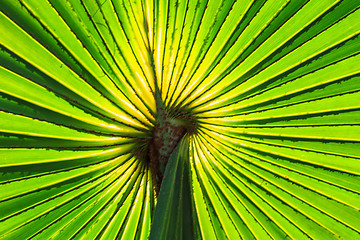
column 273, row 86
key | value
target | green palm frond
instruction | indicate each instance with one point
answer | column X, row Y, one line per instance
column 191, row 119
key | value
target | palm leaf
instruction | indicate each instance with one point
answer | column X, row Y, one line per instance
column 268, row 92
